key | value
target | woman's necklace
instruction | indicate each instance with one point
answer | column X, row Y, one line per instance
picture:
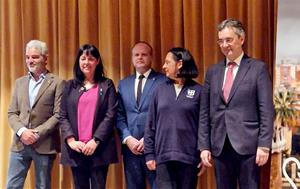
column 88, row 85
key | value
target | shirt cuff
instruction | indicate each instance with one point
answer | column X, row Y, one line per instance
column 20, row 131
column 125, row 139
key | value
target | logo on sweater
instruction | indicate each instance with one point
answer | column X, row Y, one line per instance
column 190, row 93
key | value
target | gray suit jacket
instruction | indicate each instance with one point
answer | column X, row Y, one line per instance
column 43, row 116
column 247, row 118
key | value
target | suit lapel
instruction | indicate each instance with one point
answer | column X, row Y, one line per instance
column 220, row 74
column 24, row 90
column 243, row 69
column 102, row 89
column 47, row 82
column 130, row 90
column 148, row 85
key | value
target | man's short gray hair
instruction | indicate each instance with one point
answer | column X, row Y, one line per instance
column 236, row 25
column 39, row 45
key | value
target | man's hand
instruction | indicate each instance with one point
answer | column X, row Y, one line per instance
column 75, row 145
column 206, row 158
column 140, row 146
column 89, row 147
column 29, row 136
column 133, row 144
column 262, row 157
column 151, row 164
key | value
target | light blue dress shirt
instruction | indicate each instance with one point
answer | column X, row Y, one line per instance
column 34, row 87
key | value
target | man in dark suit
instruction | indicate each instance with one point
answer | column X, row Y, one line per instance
column 236, row 113
column 134, row 95
column 33, row 115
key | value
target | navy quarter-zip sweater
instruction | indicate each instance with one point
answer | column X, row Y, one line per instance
column 171, row 130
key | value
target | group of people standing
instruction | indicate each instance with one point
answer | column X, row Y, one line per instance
column 171, row 127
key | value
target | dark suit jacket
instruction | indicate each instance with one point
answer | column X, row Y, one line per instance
column 247, row 118
column 131, row 119
column 103, row 126
column 43, row 116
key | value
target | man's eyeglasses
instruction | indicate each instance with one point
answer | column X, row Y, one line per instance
column 225, row 40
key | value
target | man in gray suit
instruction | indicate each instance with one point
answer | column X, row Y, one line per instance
column 33, row 115
column 236, row 113
column 134, row 95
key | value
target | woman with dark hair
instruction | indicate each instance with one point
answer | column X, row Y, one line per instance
column 172, row 126
column 88, row 107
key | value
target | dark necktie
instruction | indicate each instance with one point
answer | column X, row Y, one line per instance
column 139, row 90
column 228, row 80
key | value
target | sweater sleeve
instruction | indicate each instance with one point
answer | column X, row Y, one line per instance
column 150, row 129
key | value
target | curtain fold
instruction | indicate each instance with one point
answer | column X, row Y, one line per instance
column 114, row 26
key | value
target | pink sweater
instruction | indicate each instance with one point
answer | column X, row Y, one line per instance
column 86, row 111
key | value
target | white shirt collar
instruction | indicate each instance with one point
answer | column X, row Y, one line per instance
column 146, row 74
column 43, row 75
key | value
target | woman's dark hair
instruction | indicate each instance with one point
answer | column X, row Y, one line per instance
column 93, row 51
column 189, row 69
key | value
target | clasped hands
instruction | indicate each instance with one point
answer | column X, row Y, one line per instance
column 29, row 136
column 81, row 147
column 136, row 146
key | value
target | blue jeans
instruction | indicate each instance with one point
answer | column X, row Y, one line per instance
column 19, row 165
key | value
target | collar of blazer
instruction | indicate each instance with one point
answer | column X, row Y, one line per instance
column 242, row 71
column 47, row 82
column 102, row 89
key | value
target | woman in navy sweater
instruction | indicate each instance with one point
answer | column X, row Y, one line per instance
column 172, row 124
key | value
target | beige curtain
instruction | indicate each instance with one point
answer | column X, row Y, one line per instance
column 114, row 26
